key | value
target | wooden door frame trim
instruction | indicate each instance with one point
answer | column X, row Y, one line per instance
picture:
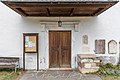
column 70, row 43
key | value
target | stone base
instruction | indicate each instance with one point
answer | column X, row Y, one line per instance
column 87, row 70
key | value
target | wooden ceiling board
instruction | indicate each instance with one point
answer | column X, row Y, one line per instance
column 57, row 9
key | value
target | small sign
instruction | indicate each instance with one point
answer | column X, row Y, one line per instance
column 26, row 38
column 30, row 44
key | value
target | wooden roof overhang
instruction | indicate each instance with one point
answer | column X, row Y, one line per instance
column 60, row 9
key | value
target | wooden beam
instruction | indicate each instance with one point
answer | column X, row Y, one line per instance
column 20, row 11
column 44, row 9
column 97, row 11
column 75, row 15
column 46, row 5
column 48, row 12
column 102, row 10
column 71, row 12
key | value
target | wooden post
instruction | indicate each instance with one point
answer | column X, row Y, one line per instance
column 23, row 52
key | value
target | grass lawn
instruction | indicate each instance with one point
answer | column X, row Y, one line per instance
column 108, row 77
column 10, row 75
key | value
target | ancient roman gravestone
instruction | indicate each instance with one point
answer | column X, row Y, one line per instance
column 112, row 47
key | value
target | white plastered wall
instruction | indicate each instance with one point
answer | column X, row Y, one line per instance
column 12, row 26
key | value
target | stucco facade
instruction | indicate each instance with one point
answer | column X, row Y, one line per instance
column 12, row 25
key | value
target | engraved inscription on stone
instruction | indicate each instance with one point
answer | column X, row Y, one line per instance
column 85, row 39
column 112, row 47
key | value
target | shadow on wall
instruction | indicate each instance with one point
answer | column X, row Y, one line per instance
column 109, row 59
column 47, row 19
column 90, row 22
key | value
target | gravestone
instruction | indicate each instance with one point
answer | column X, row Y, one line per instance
column 112, row 47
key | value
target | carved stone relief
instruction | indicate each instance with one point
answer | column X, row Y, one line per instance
column 85, row 39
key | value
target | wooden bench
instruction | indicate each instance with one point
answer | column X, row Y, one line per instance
column 9, row 62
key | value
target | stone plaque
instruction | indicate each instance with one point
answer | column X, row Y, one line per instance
column 85, row 39
column 112, row 47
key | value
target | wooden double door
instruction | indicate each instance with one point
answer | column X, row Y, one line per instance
column 59, row 49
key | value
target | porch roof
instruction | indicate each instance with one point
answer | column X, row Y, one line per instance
column 59, row 8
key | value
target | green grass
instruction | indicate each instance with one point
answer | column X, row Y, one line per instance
column 109, row 72
column 9, row 74
column 109, row 77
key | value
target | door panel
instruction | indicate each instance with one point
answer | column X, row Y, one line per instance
column 54, row 49
column 65, row 42
column 60, row 49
